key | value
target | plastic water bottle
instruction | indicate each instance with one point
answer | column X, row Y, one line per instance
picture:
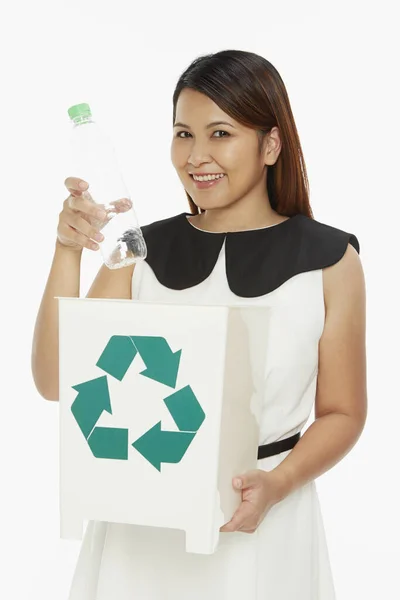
column 94, row 159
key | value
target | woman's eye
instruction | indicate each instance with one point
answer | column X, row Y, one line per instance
column 219, row 131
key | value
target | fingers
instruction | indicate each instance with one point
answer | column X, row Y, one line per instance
column 249, row 479
column 75, row 185
column 84, row 203
column 81, row 200
column 81, row 218
column 122, row 205
column 82, row 226
column 71, row 236
column 244, row 513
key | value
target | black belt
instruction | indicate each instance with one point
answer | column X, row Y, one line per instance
column 277, row 447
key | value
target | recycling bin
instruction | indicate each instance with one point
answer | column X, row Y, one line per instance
column 159, row 410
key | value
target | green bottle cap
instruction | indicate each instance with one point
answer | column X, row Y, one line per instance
column 79, row 110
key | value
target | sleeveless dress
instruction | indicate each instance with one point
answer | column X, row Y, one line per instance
column 287, row 557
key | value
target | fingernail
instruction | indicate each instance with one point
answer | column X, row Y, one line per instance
column 238, row 483
column 99, row 237
column 83, row 185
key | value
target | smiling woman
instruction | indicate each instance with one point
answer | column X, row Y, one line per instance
column 249, row 238
column 254, row 150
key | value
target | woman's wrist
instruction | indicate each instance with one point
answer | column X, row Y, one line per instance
column 75, row 251
column 283, row 483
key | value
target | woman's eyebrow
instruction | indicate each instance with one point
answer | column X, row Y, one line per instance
column 212, row 124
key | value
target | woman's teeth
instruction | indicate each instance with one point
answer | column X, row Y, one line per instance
column 208, row 177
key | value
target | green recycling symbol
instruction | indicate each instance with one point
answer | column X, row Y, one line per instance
column 162, row 365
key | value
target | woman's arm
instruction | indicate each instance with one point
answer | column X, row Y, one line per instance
column 64, row 281
column 341, row 398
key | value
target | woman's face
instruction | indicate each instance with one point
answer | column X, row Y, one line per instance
column 230, row 148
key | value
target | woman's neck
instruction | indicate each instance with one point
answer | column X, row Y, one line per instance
column 227, row 219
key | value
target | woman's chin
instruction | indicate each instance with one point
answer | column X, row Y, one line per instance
column 210, row 204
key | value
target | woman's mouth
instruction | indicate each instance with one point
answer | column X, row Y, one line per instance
column 205, row 185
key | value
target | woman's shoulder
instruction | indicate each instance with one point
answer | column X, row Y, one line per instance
column 337, row 252
column 325, row 237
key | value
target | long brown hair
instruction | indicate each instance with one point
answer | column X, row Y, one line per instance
column 250, row 90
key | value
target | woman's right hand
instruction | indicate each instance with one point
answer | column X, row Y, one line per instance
column 81, row 218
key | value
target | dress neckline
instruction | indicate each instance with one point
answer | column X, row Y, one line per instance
column 185, row 215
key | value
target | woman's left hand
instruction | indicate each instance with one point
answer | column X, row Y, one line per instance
column 260, row 491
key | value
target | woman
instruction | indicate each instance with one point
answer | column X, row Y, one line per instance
column 249, row 237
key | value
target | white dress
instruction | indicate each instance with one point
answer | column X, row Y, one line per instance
column 287, row 557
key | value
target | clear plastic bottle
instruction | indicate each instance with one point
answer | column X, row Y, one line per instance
column 94, row 159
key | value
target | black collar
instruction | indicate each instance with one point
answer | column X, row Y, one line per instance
column 257, row 261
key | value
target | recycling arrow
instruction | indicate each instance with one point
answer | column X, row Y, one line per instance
column 93, row 397
column 159, row 446
column 162, row 364
column 185, row 409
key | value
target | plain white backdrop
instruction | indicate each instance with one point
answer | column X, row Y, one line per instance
column 340, row 69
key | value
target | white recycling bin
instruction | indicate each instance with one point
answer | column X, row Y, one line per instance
column 159, row 410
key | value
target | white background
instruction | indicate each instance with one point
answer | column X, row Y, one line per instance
column 340, row 69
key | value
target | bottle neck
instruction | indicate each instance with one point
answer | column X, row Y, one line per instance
column 81, row 120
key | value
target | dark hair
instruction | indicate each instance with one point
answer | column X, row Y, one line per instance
column 250, row 90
